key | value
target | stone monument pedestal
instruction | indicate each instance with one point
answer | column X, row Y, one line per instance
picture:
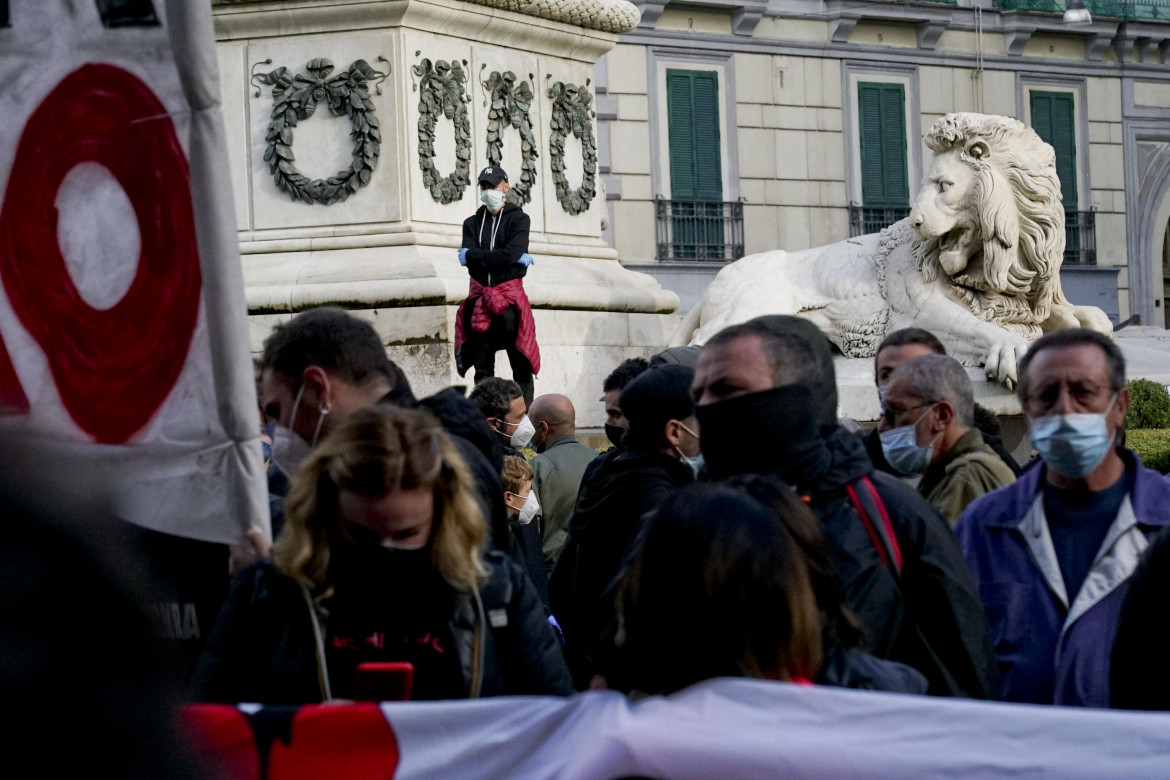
column 444, row 88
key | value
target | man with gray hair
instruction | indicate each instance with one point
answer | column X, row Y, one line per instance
column 930, row 414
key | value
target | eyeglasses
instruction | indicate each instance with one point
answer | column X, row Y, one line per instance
column 892, row 414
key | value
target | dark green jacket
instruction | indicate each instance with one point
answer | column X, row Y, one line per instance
column 967, row 471
column 556, row 479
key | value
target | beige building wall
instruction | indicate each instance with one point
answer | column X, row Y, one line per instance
column 796, row 158
column 1106, row 169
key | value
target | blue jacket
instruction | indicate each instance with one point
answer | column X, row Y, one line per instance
column 1053, row 648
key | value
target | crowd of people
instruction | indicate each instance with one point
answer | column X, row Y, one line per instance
column 736, row 527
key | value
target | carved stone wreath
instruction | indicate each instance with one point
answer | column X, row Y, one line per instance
column 441, row 92
column 510, row 106
column 296, row 98
column 572, row 113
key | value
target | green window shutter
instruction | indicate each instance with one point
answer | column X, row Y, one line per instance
column 1053, row 119
column 707, row 157
column 692, row 107
column 882, row 126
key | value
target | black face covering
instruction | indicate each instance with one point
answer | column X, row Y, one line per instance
column 372, row 556
column 770, row 432
column 615, row 433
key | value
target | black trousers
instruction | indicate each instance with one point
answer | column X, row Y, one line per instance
column 481, row 348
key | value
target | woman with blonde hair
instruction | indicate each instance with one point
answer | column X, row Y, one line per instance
column 381, row 560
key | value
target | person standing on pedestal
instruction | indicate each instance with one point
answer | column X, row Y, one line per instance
column 496, row 314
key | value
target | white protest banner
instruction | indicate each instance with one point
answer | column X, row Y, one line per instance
column 731, row 729
column 124, row 354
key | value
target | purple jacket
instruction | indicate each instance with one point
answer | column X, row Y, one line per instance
column 1053, row 648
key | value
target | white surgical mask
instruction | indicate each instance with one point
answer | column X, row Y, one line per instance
column 288, row 448
column 531, row 508
column 493, row 199
column 523, row 433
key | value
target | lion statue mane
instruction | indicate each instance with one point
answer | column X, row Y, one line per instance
column 977, row 262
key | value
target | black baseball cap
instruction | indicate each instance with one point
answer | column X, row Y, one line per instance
column 493, row 175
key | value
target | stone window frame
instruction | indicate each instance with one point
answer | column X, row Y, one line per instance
column 658, row 60
column 1028, row 82
column 907, row 75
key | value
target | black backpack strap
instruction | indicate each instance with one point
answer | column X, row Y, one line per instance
column 864, row 496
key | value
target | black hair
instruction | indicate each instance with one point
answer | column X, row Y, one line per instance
column 842, row 627
column 907, row 336
column 494, row 396
column 336, row 341
column 624, row 374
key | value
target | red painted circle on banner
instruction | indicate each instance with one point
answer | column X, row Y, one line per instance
column 113, row 367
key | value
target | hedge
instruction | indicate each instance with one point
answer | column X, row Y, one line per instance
column 1149, row 406
column 1152, row 446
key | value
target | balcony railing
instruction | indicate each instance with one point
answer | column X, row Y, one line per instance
column 871, row 219
column 1080, row 238
column 1080, row 229
column 1146, row 10
column 706, row 231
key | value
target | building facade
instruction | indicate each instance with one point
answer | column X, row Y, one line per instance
column 729, row 127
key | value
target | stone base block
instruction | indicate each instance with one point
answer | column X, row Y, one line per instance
column 578, row 348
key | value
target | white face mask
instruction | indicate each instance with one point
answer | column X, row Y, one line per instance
column 523, row 433
column 531, row 507
column 493, row 199
column 288, row 448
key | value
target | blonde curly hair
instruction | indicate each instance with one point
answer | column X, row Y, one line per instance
column 516, row 472
column 373, row 452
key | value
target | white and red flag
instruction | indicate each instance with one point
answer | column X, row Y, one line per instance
column 729, row 729
column 124, row 356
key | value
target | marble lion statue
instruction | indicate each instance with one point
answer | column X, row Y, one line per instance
column 977, row 262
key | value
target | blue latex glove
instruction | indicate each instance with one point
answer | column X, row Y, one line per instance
column 525, row 260
column 463, row 256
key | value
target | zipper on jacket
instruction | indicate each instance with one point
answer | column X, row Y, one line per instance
column 477, row 648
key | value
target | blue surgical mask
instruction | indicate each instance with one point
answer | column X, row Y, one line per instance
column 696, row 463
column 900, row 446
column 1073, row 445
column 882, row 398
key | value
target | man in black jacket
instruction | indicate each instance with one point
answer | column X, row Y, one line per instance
column 325, row 364
column 502, row 406
column 766, row 403
column 612, row 503
column 496, row 314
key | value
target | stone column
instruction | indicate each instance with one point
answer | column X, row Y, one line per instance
column 339, row 200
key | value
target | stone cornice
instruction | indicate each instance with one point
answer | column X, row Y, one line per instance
column 611, row 16
column 745, row 14
column 251, row 19
column 709, row 42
